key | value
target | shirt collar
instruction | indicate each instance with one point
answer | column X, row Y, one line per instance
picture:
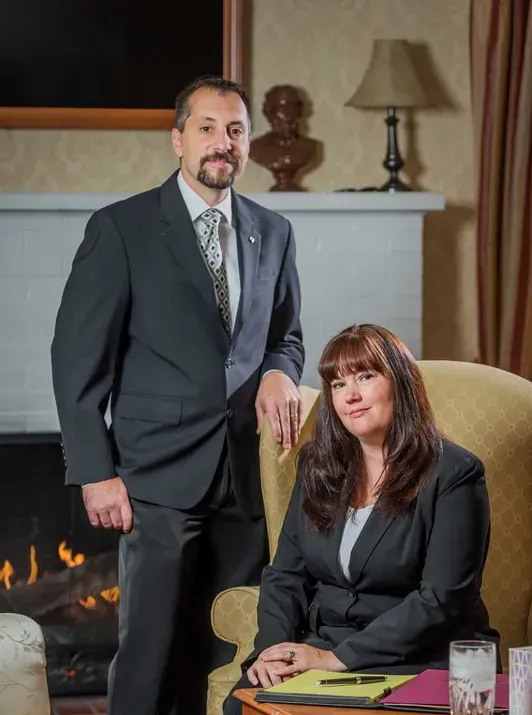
column 196, row 205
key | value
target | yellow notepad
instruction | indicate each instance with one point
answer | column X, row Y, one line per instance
column 305, row 690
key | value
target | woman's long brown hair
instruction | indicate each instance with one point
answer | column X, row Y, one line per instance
column 331, row 465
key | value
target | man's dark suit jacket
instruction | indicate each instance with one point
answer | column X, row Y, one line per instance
column 415, row 579
column 139, row 321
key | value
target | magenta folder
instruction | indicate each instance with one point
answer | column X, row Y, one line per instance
column 429, row 692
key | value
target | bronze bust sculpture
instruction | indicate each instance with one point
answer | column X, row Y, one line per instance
column 283, row 150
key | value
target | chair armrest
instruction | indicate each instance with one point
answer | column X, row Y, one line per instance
column 234, row 618
column 23, row 684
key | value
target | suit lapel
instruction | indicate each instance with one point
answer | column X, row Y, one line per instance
column 373, row 531
column 180, row 236
column 249, row 246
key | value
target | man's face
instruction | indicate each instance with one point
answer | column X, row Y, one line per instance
column 214, row 144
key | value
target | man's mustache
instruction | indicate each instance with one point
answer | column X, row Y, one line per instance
column 220, row 156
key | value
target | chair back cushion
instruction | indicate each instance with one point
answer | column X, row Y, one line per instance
column 489, row 411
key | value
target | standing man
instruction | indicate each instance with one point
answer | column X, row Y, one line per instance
column 182, row 310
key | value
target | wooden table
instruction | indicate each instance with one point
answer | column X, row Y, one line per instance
column 250, row 707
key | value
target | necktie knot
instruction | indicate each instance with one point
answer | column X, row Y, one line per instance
column 211, row 218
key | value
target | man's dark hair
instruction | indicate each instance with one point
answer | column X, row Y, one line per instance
column 217, row 84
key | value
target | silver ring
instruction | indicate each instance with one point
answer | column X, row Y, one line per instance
column 291, row 654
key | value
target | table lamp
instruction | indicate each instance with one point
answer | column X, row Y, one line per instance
column 390, row 81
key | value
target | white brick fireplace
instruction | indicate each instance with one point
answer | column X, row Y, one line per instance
column 359, row 257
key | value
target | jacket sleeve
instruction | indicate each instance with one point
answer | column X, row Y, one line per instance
column 284, row 348
column 286, row 588
column 451, row 576
column 86, row 341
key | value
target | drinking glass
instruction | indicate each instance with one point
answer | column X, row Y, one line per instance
column 472, row 668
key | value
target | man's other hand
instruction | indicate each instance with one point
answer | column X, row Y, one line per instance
column 107, row 504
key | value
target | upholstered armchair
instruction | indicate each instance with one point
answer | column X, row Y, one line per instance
column 23, row 687
column 486, row 410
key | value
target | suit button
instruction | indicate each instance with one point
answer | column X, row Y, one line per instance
column 229, row 413
column 229, row 363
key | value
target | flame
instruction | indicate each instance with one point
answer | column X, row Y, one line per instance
column 34, row 568
column 66, row 556
column 5, row 574
column 111, row 595
column 7, row 570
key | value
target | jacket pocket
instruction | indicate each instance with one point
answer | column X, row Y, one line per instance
column 265, row 278
column 148, row 409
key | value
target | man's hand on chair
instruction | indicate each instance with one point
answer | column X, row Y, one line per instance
column 279, row 400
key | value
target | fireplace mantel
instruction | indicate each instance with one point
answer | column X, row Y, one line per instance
column 359, row 256
column 343, row 201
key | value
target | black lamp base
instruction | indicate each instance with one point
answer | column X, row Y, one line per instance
column 393, row 161
column 395, row 185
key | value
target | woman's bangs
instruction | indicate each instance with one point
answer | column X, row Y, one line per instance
column 349, row 356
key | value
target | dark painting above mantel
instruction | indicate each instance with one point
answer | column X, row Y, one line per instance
column 111, row 63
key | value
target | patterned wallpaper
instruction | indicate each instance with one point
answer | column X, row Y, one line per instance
column 323, row 47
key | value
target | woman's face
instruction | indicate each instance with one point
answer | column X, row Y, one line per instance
column 364, row 403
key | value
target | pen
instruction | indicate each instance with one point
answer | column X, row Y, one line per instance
column 354, row 680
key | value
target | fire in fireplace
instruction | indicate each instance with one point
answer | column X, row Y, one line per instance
column 38, row 600
column 54, row 567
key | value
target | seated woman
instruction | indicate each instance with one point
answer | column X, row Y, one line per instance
column 380, row 559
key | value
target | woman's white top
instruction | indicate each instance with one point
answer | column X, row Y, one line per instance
column 354, row 523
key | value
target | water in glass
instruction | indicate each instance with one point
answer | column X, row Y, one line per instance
column 472, row 668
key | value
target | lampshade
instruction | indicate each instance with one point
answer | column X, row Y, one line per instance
column 391, row 79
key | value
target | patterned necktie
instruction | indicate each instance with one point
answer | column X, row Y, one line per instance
column 209, row 241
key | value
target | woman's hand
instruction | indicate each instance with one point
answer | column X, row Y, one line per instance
column 263, row 674
column 287, row 659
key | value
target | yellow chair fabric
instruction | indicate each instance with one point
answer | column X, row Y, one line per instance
column 234, row 611
column 489, row 411
column 486, row 410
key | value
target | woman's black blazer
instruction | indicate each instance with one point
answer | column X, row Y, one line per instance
column 415, row 580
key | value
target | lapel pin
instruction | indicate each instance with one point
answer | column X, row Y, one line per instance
column 251, row 239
